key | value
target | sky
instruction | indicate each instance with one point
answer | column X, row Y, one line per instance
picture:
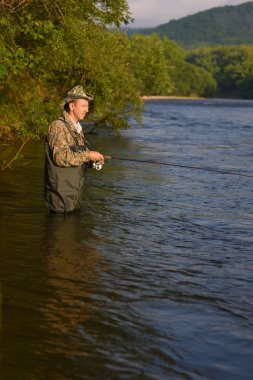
column 150, row 13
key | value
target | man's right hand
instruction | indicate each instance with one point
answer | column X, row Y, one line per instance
column 96, row 156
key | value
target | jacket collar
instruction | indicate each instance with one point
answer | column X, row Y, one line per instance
column 69, row 121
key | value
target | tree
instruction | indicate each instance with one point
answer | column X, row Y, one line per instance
column 150, row 65
column 231, row 67
column 48, row 46
column 187, row 79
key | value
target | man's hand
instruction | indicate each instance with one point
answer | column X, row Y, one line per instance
column 96, row 156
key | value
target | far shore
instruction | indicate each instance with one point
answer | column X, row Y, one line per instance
column 160, row 97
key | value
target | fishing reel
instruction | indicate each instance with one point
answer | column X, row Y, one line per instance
column 97, row 165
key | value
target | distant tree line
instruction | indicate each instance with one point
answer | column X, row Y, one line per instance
column 230, row 66
column 48, row 46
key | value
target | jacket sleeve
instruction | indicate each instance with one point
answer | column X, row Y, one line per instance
column 60, row 140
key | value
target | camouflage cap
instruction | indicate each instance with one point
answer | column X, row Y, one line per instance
column 77, row 92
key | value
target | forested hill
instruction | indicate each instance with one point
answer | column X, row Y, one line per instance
column 228, row 25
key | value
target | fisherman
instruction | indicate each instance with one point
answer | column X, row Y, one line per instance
column 67, row 155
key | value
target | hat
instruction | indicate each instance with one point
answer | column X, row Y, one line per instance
column 77, row 92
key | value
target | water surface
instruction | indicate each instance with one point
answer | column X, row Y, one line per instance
column 153, row 278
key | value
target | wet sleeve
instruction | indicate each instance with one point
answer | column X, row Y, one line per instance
column 60, row 141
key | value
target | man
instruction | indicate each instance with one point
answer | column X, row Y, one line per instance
column 67, row 155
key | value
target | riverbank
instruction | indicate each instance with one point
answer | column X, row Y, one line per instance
column 159, row 97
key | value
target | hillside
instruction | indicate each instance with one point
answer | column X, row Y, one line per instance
column 228, row 25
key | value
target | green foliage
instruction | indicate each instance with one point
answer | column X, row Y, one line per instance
column 231, row 67
column 149, row 64
column 49, row 46
column 160, row 67
column 187, row 79
column 101, row 65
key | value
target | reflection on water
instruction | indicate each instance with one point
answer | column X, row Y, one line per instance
column 153, row 278
column 72, row 272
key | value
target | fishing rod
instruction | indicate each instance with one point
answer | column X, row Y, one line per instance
column 177, row 165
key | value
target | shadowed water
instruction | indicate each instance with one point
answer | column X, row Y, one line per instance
column 153, row 278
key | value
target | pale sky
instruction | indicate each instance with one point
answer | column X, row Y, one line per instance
column 150, row 13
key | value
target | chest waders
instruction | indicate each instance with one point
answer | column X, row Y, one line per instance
column 63, row 186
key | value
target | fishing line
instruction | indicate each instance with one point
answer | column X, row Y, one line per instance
column 220, row 171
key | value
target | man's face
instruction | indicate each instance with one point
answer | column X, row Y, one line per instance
column 78, row 109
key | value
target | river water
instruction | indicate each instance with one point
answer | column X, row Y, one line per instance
column 153, row 279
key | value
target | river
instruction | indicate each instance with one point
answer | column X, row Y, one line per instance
column 153, row 279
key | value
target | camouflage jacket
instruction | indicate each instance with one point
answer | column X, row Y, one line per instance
column 64, row 146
